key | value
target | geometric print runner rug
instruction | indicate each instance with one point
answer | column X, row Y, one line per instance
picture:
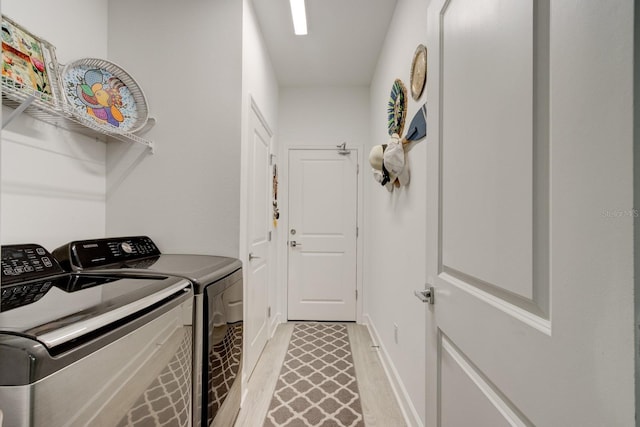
column 317, row 384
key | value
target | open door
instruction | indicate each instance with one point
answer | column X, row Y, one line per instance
column 257, row 262
column 530, row 214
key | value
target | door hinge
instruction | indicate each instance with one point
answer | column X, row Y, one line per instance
column 358, row 169
column 356, row 294
column 269, row 312
column 269, row 237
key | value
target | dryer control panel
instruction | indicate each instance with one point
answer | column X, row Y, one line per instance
column 86, row 254
column 21, row 263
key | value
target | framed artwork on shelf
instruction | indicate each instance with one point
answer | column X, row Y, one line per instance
column 29, row 65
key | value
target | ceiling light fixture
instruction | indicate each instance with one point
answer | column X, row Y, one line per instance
column 299, row 16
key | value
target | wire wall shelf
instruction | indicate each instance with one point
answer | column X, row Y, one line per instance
column 45, row 108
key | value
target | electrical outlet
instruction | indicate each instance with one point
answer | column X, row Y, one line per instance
column 395, row 332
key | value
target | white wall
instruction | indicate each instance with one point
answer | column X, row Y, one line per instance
column 53, row 181
column 77, row 28
column 258, row 76
column 395, row 223
column 324, row 116
column 187, row 57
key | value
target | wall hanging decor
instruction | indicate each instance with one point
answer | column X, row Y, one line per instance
column 276, row 210
column 397, row 107
column 101, row 93
column 376, row 160
column 418, row 71
column 389, row 161
column 390, row 168
column 29, row 63
column 417, row 129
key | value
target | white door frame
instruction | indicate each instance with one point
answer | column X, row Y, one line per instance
column 283, row 199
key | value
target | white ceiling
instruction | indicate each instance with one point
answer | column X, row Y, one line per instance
column 342, row 47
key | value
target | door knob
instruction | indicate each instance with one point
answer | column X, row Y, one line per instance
column 426, row 295
column 294, row 244
column 252, row 256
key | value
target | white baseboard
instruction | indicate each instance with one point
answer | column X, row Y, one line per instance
column 275, row 321
column 409, row 412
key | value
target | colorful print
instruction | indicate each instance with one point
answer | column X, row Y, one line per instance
column 97, row 93
column 23, row 60
column 101, row 97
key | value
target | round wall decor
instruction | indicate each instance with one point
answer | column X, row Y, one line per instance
column 104, row 96
column 418, row 71
column 397, row 107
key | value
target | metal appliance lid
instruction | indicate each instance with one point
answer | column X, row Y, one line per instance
column 199, row 269
column 140, row 255
column 72, row 306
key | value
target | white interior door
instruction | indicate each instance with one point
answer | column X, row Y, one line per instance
column 257, row 261
column 530, row 215
column 322, row 235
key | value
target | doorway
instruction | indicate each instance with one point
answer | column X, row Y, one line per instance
column 322, row 234
column 258, row 240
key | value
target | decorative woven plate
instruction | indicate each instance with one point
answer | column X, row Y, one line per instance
column 104, row 95
column 418, row 71
column 397, row 108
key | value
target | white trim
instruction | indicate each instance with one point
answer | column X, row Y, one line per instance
column 525, row 316
column 497, row 400
column 409, row 412
column 256, row 109
column 360, row 240
column 275, row 321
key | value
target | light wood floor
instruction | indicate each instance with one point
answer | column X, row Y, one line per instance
column 379, row 405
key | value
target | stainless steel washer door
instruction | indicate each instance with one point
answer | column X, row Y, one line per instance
column 141, row 379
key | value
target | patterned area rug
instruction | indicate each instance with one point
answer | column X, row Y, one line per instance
column 317, row 384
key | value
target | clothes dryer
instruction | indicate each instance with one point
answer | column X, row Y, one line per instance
column 217, row 316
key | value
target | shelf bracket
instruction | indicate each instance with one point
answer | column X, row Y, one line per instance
column 15, row 113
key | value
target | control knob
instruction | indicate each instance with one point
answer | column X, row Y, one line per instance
column 126, row 248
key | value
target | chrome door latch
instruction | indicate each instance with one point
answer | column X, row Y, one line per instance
column 426, row 295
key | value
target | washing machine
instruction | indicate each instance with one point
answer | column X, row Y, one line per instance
column 217, row 316
column 96, row 350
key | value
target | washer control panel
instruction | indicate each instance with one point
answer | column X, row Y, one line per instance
column 83, row 254
column 26, row 262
